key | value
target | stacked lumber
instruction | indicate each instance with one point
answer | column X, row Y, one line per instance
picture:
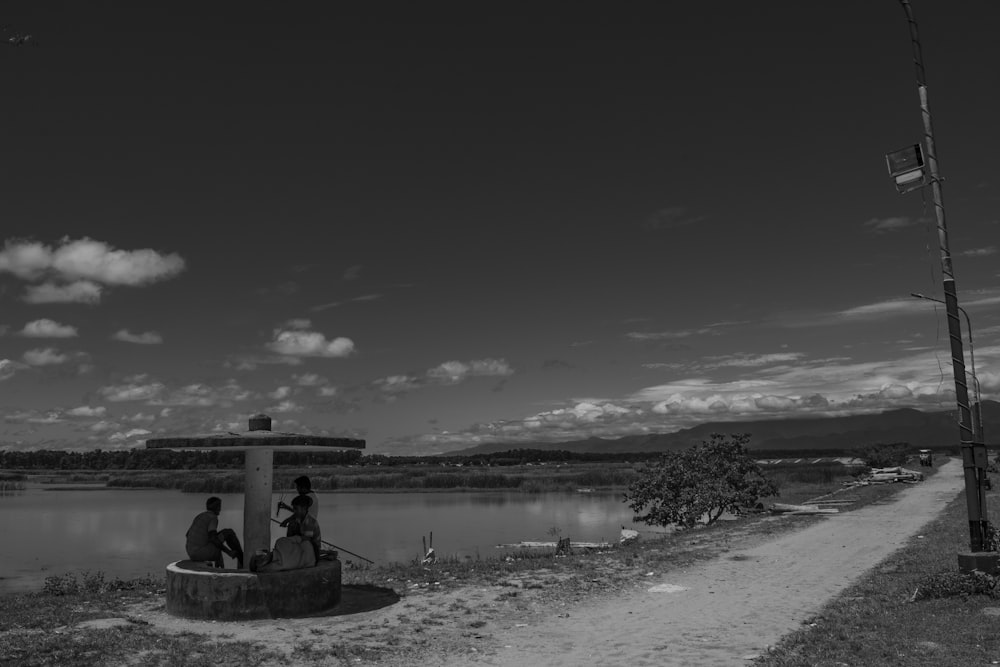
column 784, row 508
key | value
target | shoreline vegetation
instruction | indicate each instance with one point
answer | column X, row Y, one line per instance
column 45, row 627
column 575, row 476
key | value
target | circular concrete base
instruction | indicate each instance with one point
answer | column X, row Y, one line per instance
column 195, row 590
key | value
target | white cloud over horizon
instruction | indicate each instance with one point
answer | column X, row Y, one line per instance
column 45, row 357
column 890, row 224
column 446, row 373
column 145, row 338
column 795, row 386
column 87, row 411
column 985, row 251
column 302, row 343
column 81, row 291
column 46, row 328
column 74, row 271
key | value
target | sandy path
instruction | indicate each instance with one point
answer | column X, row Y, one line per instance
column 719, row 612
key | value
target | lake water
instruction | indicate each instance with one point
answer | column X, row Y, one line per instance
column 131, row 533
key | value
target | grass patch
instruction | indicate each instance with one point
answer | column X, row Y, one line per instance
column 39, row 629
column 948, row 622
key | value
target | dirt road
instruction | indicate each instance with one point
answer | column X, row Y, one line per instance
column 722, row 611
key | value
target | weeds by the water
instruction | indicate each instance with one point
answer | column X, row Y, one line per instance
column 529, row 479
column 95, row 584
column 8, row 488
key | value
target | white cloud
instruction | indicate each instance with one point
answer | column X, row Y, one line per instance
column 103, row 425
column 300, row 323
column 453, row 372
column 337, row 304
column 326, row 392
column 671, row 217
column 8, row 368
column 584, row 418
column 251, row 363
column 81, row 291
column 310, row 344
column 131, row 434
column 980, row 252
column 87, row 411
column 147, row 338
column 285, row 406
column 45, row 357
column 668, row 335
column 746, row 360
column 203, row 395
column 26, row 260
column 134, row 388
column 882, row 309
column 47, row 418
column 891, row 224
column 793, row 388
column 45, row 328
column 446, row 373
column 394, row 384
column 75, row 270
column 309, row 380
column 989, row 380
column 86, row 259
column 280, row 393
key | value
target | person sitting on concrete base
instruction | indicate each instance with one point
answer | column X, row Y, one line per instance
column 302, row 523
column 289, row 553
column 205, row 542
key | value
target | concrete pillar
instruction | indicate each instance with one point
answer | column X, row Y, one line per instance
column 257, row 502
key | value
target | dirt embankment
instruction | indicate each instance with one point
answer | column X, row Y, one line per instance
column 726, row 610
column 697, row 612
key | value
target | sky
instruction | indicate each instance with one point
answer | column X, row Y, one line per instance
column 433, row 230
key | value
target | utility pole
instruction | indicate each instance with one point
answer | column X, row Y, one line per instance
column 973, row 453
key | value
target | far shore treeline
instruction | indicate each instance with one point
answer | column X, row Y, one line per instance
column 523, row 470
column 162, row 459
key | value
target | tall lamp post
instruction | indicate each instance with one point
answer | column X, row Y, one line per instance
column 977, row 407
column 907, row 167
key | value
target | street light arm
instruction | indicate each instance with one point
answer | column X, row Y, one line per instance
column 972, row 359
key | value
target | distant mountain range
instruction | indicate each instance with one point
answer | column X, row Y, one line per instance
column 919, row 429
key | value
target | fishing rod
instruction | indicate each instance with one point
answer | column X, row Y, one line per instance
column 331, row 544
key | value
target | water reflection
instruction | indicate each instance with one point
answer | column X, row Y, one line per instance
column 131, row 533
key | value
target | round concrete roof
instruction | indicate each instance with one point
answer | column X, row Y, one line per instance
column 259, row 437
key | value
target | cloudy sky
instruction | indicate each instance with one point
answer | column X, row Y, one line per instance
column 433, row 230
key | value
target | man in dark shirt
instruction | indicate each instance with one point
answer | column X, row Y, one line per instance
column 205, row 542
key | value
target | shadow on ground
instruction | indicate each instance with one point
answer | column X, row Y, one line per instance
column 359, row 598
